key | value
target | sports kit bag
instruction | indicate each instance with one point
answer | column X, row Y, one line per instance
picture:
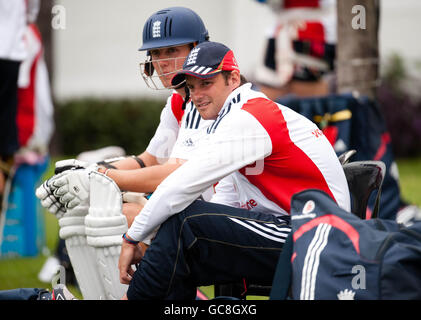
column 332, row 254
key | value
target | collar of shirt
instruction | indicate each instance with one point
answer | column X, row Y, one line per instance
column 231, row 96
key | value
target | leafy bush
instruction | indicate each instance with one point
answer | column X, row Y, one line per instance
column 403, row 119
column 90, row 124
column 401, row 108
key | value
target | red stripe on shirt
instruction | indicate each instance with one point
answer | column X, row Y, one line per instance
column 177, row 106
column 287, row 170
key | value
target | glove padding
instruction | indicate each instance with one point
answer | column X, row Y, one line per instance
column 72, row 188
column 45, row 193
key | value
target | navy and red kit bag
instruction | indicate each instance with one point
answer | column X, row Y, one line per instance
column 336, row 255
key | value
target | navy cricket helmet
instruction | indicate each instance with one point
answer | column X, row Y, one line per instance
column 172, row 27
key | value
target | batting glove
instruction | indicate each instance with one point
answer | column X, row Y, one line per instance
column 72, row 187
column 45, row 193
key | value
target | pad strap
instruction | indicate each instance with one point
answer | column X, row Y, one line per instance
column 106, row 165
column 139, row 161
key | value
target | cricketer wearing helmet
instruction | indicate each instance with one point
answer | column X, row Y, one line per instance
column 168, row 36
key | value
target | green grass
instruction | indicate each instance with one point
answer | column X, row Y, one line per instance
column 23, row 272
column 410, row 179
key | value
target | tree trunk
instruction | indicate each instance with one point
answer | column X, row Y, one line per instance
column 357, row 47
column 44, row 25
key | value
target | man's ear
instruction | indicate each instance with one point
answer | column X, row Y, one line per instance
column 235, row 78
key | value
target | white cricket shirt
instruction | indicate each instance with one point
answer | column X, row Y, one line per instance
column 269, row 151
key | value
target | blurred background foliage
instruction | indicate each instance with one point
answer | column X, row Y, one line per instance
column 89, row 124
column 399, row 97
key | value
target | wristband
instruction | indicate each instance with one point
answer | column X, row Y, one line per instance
column 133, row 242
column 139, row 161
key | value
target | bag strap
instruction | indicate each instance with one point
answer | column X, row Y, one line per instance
column 283, row 273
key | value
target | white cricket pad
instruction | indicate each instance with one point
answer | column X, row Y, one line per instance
column 105, row 225
column 82, row 256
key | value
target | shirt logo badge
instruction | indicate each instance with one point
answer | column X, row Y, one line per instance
column 189, row 142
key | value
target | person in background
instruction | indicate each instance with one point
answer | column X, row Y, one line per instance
column 300, row 49
column 14, row 18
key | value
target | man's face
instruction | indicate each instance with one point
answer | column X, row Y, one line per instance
column 167, row 61
column 209, row 95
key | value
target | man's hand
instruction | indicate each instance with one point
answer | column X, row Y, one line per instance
column 130, row 254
